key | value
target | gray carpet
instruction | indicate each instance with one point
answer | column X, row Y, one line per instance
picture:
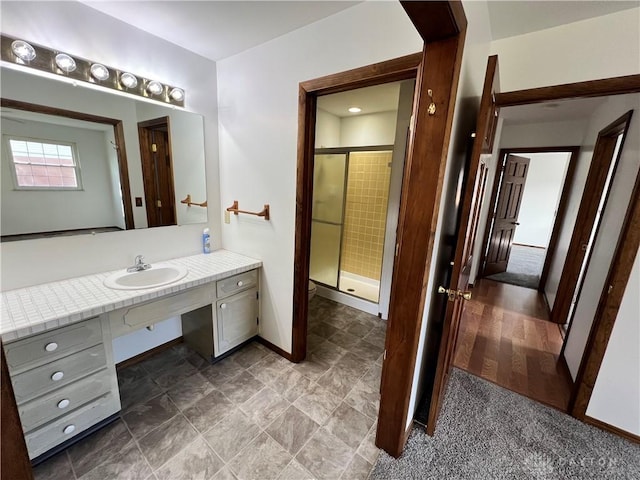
column 487, row 432
column 524, row 267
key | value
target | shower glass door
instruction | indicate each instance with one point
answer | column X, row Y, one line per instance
column 329, row 178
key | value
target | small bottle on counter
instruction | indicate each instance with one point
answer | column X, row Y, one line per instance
column 206, row 241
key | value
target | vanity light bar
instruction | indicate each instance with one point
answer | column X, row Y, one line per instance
column 31, row 55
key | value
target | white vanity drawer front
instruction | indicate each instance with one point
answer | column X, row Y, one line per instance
column 50, row 346
column 47, row 437
column 237, row 283
column 64, row 400
column 40, row 380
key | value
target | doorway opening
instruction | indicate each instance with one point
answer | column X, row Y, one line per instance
column 527, row 210
column 508, row 334
column 357, row 178
column 157, row 171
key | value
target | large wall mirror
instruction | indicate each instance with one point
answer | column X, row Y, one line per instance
column 78, row 160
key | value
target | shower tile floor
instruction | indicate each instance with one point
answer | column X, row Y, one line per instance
column 253, row 415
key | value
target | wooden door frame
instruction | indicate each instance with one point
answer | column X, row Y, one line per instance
column 442, row 26
column 587, row 212
column 562, row 205
column 143, row 128
column 606, row 313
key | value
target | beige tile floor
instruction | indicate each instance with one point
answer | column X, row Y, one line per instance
column 253, row 415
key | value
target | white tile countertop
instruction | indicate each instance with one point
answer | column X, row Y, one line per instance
column 30, row 310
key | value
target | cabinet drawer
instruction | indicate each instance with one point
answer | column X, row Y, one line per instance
column 50, row 346
column 52, row 434
column 237, row 283
column 40, row 380
column 64, row 400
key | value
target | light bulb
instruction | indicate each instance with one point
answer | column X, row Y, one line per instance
column 177, row 94
column 128, row 80
column 154, row 87
column 65, row 62
column 23, row 50
column 355, row 109
column 99, row 71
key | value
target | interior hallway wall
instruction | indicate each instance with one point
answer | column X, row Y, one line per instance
column 539, row 203
column 258, row 133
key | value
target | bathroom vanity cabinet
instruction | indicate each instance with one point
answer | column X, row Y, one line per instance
column 64, row 376
column 64, row 382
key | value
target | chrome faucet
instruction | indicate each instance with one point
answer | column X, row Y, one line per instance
column 139, row 265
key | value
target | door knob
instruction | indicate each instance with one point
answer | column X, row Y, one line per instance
column 453, row 294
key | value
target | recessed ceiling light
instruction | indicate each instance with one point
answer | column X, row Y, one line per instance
column 177, row 94
column 99, row 71
column 65, row 62
column 154, row 87
column 355, row 109
column 23, row 50
column 128, row 80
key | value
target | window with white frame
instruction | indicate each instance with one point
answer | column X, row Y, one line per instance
column 43, row 164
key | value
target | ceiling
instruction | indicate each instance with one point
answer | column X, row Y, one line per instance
column 379, row 98
column 510, row 18
column 218, row 29
column 571, row 109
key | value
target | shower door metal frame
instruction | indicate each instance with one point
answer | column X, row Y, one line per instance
column 347, row 151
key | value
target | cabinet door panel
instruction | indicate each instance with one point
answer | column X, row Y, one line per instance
column 237, row 319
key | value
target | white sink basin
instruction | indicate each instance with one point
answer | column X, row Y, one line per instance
column 156, row 276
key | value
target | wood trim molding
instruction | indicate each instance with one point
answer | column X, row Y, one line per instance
column 610, row 428
column 419, row 206
column 587, row 213
column 436, row 20
column 14, row 458
column 397, row 69
column 118, row 134
column 149, row 353
column 608, row 306
column 591, row 88
column 274, row 348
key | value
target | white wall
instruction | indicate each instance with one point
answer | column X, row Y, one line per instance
column 92, row 206
column 611, row 223
column 81, row 30
column 616, row 395
column 368, row 130
column 327, row 129
column 258, row 125
column 601, row 47
column 357, row 131
column 541, row 196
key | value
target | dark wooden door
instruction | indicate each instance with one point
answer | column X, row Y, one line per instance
column 505, row 218
column 471, row 195
column 157, row 172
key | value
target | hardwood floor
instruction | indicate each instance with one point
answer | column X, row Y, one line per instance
column 505, row 337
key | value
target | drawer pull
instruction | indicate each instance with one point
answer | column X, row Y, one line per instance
column 64, row 403
column 223, row 306
column 69, row 429
column 57, row 376
column 240, row 283
column 51, row 347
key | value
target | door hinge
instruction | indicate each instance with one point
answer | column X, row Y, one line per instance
column 384, row 355
column 154, row 147
column 159, row 203
column 609, row 289
column 397, row 249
